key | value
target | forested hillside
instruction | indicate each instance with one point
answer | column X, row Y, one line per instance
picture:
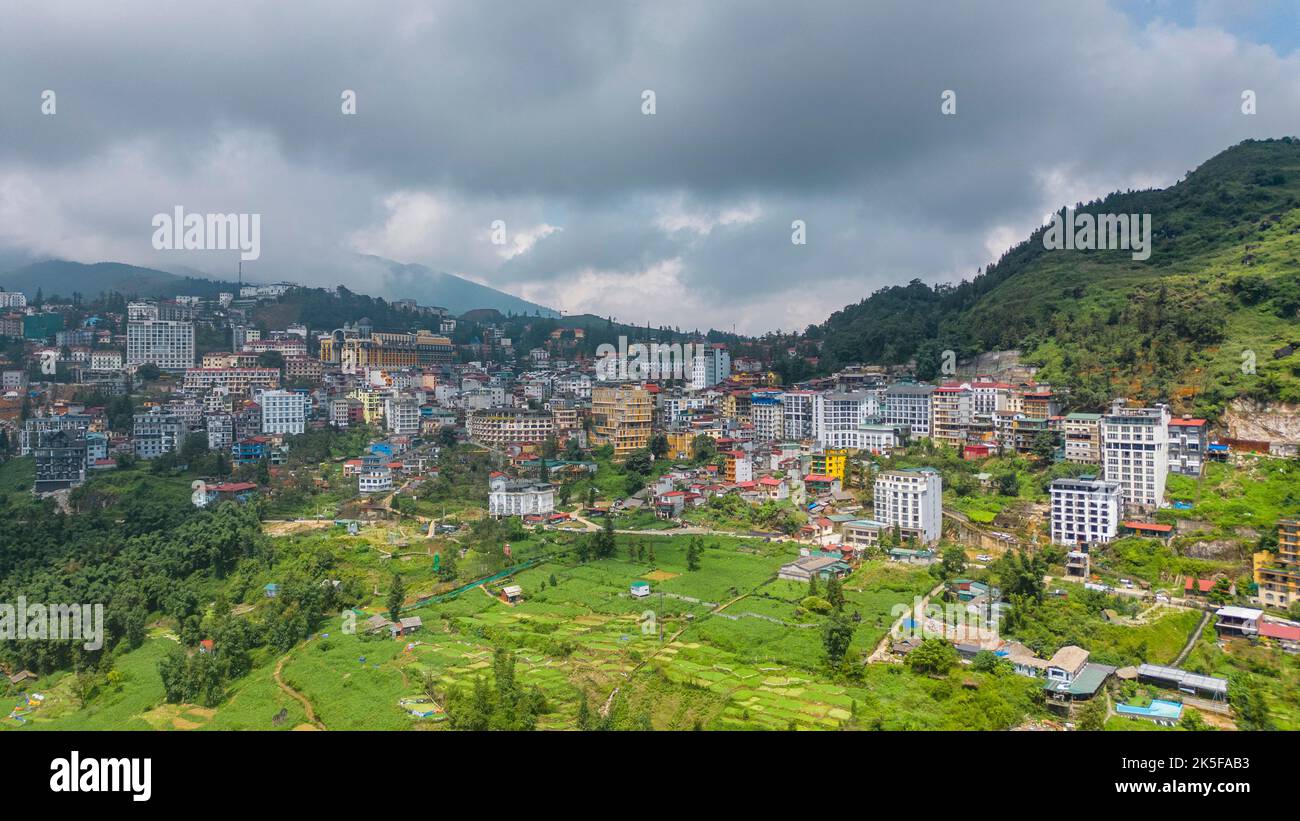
column 1223, row 279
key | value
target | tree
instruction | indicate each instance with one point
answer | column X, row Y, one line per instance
column 1221, row 592
column 396, row 596
column 954, row 561
column 693, row 552
column 1044, row 446
column 837, row 635
column 986, row 661
column 1092, row 716
column 835, row 592
column 932, row 656
column 659, row 445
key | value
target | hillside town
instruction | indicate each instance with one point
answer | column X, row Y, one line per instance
column 847, row 470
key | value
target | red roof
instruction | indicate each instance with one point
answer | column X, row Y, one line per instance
column 817, row 477
column 233, row 487
column 1284, row 632
column 1203, row 585
column 1187, row 422
column 770, row 481
column 1152, row 526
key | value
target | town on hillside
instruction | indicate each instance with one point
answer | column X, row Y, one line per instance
column 493, row 522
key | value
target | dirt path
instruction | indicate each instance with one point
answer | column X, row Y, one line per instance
column 299, row 697
column 1191, row 642
column 882, row 649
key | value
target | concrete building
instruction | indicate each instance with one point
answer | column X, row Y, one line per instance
column 1135, row 453
column 1277, row 575
column 1187, row 442
column 169, row 345
column 496, row 427
column 1085, row 511
column 156, row 433
column 1082, row 435
column 621, row 416
column 907, row 403
column 60, row 460
column 284, row 412
column 519, row 497
column 710, row 366
column 952, row 409
column 911, row 500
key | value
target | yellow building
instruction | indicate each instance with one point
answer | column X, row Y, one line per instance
column 387, row 350
column 1277, row 575
column 372, row 404
column 621, row 416
column 681, row 444
column 830, row 462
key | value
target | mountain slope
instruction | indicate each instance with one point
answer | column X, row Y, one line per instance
column 64, row 278
column 393, row 280
column 1222, row 285
column 457, row 294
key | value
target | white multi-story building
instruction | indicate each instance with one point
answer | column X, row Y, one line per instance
column 221, row 431
column 13, row 299
column 765, row 412
column 577, row 385
column 376, row 476
column 156, row 433
column 911, row 500
column 284, row 412
column 401, row 415
column 906, row 403
column 141, row 311
column 836, row 412
column 106, row 361
column 710, row 367
column 1085, row 510
column 880, row 439
column 1135, row 453
column 169, row 345
column 518, row 497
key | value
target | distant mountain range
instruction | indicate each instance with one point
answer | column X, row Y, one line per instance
column 391, row 280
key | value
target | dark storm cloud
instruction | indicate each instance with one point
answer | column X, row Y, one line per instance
column 531, row 113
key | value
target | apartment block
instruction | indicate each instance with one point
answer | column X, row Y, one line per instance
column 156, row 433
column 907, row 403
column 1135, row 453
column 621, row 416
column 952, row 409
column 1187, row 443
column 1085, row 511
column 167, row 344
column 284, row 412
column 1082, row 435
column 496, row 427
column 911, row 500
column 1277, row 575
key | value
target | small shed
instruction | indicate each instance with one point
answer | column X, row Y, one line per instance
column 406, row 626
column 640, row 589
column 272, row 590
column 512, row 594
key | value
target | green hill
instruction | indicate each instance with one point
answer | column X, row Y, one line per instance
column 1223, row 279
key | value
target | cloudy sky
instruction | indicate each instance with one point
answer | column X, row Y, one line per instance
column 531, row 113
